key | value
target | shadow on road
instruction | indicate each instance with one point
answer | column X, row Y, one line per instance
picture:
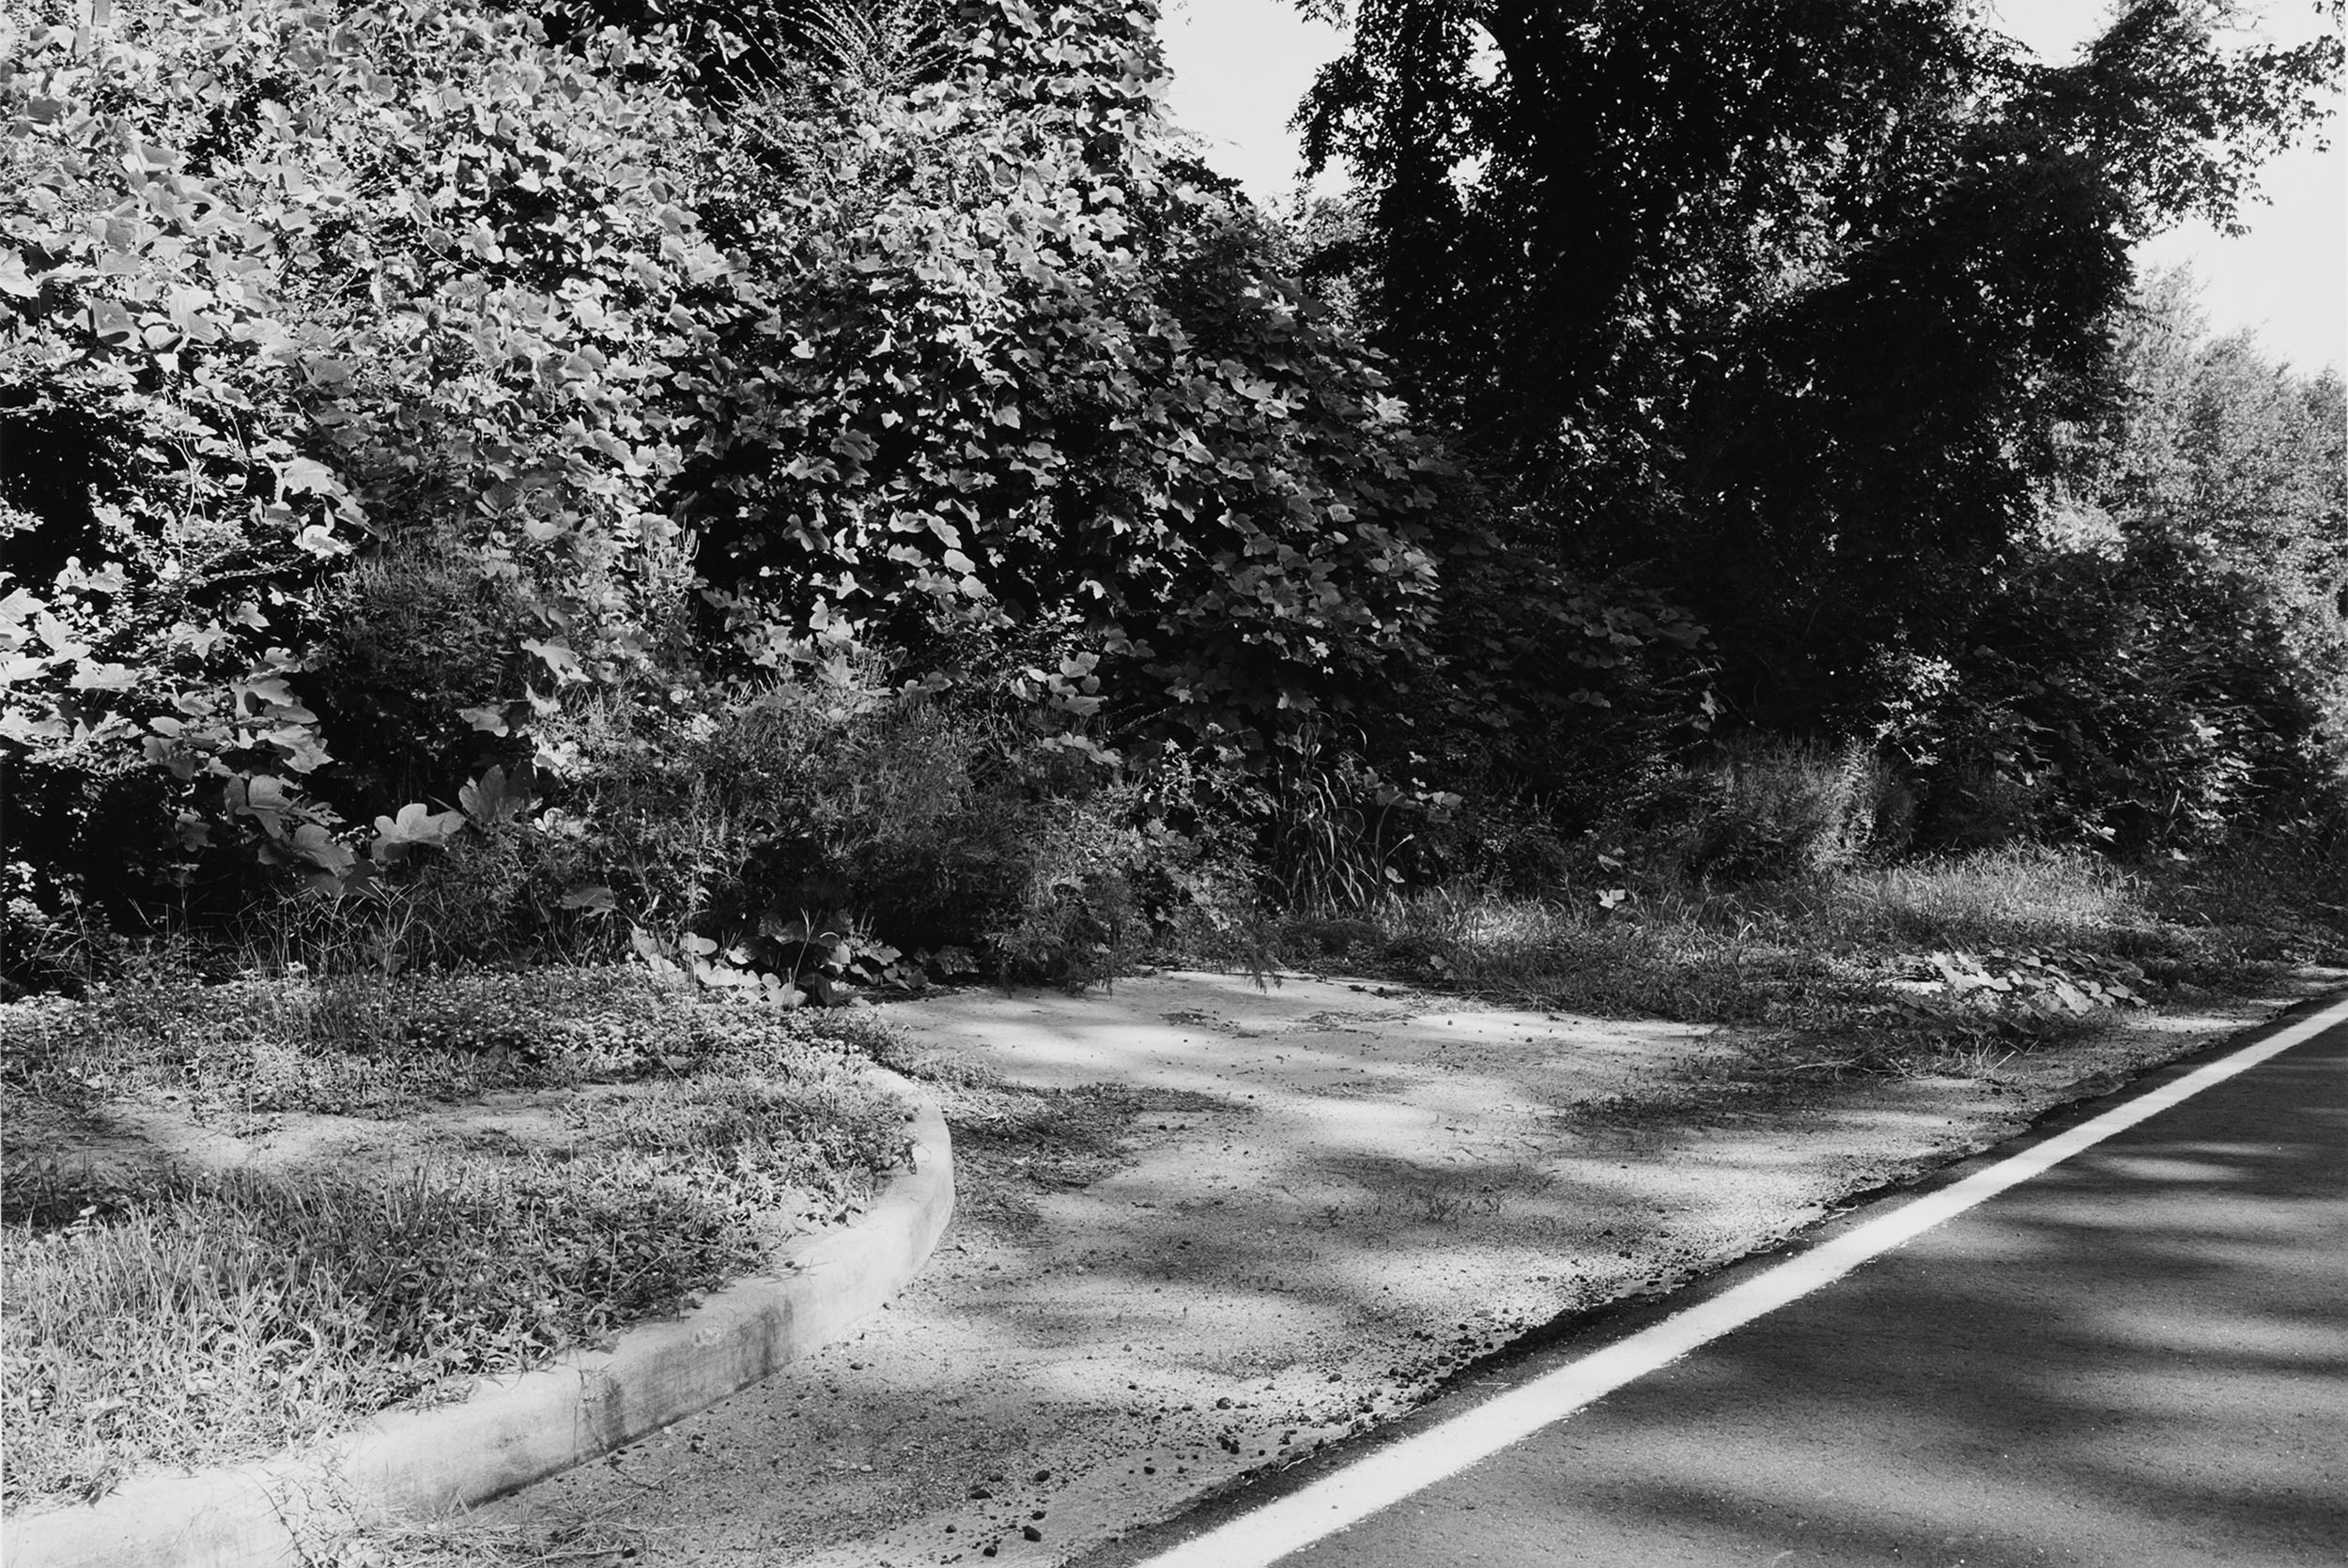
column 2140, row 1359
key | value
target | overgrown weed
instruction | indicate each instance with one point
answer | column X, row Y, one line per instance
column 2013, row 896
column 1938, row 964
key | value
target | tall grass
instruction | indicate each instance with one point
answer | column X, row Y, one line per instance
column 2013, row 896
column 1689, row 957
column 1811, row 951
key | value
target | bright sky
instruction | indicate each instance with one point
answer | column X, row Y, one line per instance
column 1240, row 66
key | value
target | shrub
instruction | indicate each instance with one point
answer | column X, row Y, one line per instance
column 447, row 394
column 295, row 285
column 787, row 819
column 1755, row 810
column 1079, row 917
column 1771, row 809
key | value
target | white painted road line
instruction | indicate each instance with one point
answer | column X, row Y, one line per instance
column 1390, row 1474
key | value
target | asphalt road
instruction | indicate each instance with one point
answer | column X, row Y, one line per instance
column 2139, row 1358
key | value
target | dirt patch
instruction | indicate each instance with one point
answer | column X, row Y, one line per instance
column 128, row 1145
column 150, row 1133
column 1265, row 1221
column 374, row 1079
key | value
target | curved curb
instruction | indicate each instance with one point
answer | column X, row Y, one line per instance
column 526, row 1426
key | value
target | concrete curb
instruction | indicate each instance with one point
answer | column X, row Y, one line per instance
column 521, row 1428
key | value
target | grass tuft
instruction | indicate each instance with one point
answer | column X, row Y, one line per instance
column 1936, row 964
column 183, row 1317
column 2015, row 896
column 220, row 1318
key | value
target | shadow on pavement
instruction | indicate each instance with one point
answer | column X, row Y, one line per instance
column 2138, row 1359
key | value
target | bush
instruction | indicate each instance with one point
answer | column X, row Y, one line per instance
column 1755, row 810
column 1079, row 917
column 296, row 287
column 844, row 812
column 1777, row 809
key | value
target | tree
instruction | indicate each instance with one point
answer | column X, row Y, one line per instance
column 2164, row 662
column 1026, row 369
column 1779, row 305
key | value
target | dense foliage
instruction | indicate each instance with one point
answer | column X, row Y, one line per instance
column 1815, row 319
column 308, row 308
column 685, row 474
column 1032, row 377
column 1779, row 305
column 2167, row 661
column 384, row 382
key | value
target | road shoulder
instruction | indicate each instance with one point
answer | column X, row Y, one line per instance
column 1326, row 1203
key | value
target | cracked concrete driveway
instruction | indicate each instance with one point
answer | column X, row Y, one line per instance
column 1312, row 1206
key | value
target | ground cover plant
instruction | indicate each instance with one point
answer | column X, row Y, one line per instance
column 1771, row 907
column 168, row 1308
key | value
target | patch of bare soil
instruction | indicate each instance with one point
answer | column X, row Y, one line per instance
column 147, row 1132
column 1206, row 1229
column 125, row 1142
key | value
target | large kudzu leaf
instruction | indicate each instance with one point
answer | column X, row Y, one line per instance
column 295, row 299
column 1012, row 309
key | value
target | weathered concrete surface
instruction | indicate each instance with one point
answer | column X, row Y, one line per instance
column 2139, row 1357
column 1333, row 1196
column 521, row 1428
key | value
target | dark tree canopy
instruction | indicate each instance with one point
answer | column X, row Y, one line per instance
column 1778, row 303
